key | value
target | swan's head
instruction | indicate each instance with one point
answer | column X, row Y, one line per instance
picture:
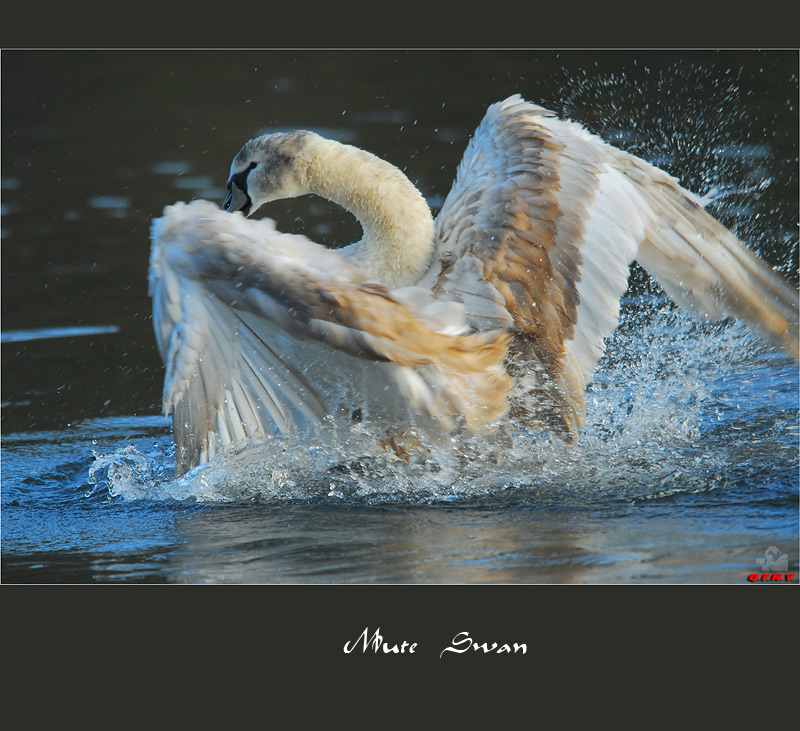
column 267, row 168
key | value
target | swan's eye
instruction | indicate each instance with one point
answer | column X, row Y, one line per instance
column 240, row 179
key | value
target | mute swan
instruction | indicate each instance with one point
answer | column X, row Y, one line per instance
column 509, row 292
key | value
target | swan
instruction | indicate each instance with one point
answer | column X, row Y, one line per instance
column 497, row 309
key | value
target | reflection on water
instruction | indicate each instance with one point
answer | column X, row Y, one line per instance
column 687, row 471
column 19, row 336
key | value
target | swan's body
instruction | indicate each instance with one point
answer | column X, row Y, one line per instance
column 513, row 288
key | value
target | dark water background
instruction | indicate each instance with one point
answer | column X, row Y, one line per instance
column 688, row 472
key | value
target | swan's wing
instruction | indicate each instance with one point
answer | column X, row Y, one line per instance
column 237, row 306
column 539, row 231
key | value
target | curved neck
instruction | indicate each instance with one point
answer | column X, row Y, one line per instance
column 398, row 226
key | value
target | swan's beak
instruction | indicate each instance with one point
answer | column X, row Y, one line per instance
column 237, row 200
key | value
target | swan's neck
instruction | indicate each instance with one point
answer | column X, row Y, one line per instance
column 398, row 227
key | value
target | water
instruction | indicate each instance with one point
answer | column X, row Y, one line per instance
column 687, row 470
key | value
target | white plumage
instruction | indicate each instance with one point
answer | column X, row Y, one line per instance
column 513, row 288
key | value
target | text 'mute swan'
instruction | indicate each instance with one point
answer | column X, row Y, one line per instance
column 496, row 310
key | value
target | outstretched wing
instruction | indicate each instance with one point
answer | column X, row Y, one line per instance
column 262, row 332
column 539, row 231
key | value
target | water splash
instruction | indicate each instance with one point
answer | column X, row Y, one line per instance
column 676, row 406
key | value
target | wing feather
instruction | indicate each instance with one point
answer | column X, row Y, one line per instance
column 264, row 332
column 544, row 220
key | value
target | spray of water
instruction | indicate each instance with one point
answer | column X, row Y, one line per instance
column 691, row 121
